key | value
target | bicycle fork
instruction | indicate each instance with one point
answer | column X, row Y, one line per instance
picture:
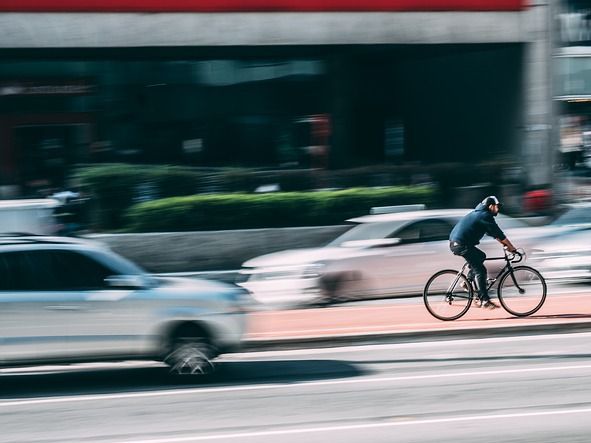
column 519, row 288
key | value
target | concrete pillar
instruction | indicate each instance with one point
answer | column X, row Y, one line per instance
column 538, row 147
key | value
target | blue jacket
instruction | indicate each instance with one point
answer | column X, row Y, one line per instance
column 472, row 227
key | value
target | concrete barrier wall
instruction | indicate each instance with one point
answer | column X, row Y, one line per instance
column 165, row 252
column 212, row 250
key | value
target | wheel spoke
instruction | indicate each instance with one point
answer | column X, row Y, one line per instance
column 447, row 296
column 523, row 292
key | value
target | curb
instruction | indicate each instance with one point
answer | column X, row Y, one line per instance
column 328, row 341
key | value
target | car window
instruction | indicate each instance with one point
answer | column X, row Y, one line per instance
column 408, row 234
column 424, row 231
column 27, row 271
column 50, row 270
column 434, row 230
column 367, row 231
column 11, row 271
column 78, row 271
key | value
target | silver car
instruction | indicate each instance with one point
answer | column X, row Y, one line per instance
column 73, row 300
column 565, row 257
column 383, row 255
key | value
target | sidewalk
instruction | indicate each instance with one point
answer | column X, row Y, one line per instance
column 408, row 320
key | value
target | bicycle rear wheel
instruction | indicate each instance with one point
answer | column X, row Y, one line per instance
column 523, row 291
column 447, row 295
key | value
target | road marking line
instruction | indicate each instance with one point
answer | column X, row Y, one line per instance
column 472, row 374
column 360, row 426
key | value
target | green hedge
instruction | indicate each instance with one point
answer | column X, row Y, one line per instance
column 114, row 188
column 282, row 209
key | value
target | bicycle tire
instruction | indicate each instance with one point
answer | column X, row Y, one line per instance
column 440, row 302
column 522, row 304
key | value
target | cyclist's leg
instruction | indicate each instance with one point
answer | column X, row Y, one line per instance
column 460, row 250
column 475, row 258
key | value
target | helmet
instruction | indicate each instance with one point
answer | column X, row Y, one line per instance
column 491, row 200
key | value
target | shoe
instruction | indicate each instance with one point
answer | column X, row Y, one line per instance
column 489, row 304
column 464, row 286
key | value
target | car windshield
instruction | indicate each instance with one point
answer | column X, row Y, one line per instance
column 367, row 231
column 119, row 263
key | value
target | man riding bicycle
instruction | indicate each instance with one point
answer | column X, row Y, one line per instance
column 468, row 232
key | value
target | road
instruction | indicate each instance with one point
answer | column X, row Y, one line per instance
column 504, row 389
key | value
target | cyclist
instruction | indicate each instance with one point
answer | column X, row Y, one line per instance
column 468, row 232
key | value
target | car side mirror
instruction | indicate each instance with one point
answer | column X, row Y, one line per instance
column 125, row 281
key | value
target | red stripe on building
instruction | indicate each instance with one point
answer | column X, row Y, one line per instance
column 257, row 5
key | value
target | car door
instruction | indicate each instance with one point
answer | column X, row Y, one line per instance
column 423, row 249
column 33, row 315
column 102, row 320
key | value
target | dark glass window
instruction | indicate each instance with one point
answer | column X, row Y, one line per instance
column 79, row 271
column 434, row 230
column 425, row 231
column 50, row 270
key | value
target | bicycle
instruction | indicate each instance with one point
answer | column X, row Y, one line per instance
column 521, row 290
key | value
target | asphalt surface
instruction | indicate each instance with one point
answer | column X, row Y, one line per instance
column 502, row 389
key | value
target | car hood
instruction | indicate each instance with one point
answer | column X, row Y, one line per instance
column 302, row 256
column 540, row 232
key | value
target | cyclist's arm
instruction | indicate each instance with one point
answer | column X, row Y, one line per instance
column 506, row 242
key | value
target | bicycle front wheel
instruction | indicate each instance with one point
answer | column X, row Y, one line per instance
column 522, row 292
column 447, row 295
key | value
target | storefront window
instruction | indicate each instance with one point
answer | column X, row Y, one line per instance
column 197, row 112
column 573, row 76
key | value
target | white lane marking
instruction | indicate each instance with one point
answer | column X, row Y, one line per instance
column 390, row 346
column 176, row 392
column 360, row 426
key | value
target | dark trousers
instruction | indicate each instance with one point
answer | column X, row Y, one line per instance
column 475, row 258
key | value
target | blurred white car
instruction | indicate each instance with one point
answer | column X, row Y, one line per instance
column 565, row 256
column 574, row 215
column 383, row 255
column 73, row 300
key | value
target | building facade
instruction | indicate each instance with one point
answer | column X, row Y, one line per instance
column 278, row 83
column 573, row 83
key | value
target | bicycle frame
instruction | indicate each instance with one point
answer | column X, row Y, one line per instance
column 506, row 269
column 524, row 280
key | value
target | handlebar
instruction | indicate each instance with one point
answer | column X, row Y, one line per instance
column 516, row 256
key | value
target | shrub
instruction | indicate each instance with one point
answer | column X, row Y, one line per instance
column 282, row 209
column 115, row 187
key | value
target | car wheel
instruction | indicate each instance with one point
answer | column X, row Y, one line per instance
column 333, row 287
column 190, row 353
